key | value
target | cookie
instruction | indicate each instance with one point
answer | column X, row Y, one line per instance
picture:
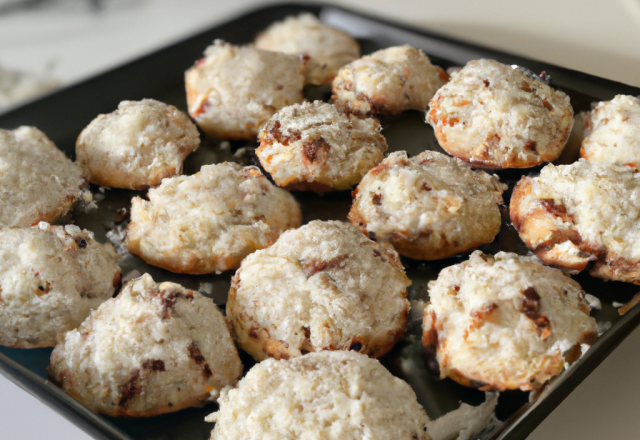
column 324, row 286
column 428, row 207
column 612, row 132
column 496, row 116
column 210, row 221
column 37, row 181
column 315, row 147
column 505, row 322
column 155, row 348
column 233, row 90
column 582, row 215
column 328, row 48
column 136, row 146
column 388, row 82
column 337, row 395
column 51, row 277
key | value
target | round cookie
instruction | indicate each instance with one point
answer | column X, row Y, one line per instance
column 51, row 277
column 505, row 322
column 612, row 132
column 315, row 147
column 329, row 49
column 155, row 348
column 136, row 146
column 332, row 395
column 37, row 181
column 428, row 207
column 235, row 89
column 210, row 221
column 388, row 82
column 580, row 215
column 497, row 116
column 324, row 286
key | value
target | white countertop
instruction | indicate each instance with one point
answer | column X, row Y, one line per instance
column 70, row 41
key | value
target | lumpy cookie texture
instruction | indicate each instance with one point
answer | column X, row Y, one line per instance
column 497, row 116
column 505, row 322
column 211, row 220
column 233, row 90
column 324, row 286
column 155, row 348
column 582, row 215
column 389, row 81
column 328, row 49
column 51, row 277
column 313, row 146
column 341, row 395
column 37, row 181
column 612, row 132
column 136, row 146
column 428, row 207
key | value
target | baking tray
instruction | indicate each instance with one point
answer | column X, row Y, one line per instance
column 63, row 114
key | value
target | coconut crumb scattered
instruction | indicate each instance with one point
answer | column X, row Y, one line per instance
column 416, row 312
column 603, row 327
column 242, row 152
column 206, row 288
column 466, row 422
column 116, row 236
column 594, row 302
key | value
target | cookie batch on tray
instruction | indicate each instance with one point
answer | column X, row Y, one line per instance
column 324, row 298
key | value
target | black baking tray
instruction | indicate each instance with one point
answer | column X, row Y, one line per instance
column 64, row 113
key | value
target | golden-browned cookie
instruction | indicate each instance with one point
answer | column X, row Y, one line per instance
column 136, row 146
column 154, row 349
column 388, row 82
column 324, row 286
column 329, row 49
column 612, row 132
column 428, row 207
column 326, row 395
column 580, row 214
column 233, row 90
column 210, row 221
column 51, row 277
column 37, row 181
column 315, row 147
column 505, row 322
column 497, row 116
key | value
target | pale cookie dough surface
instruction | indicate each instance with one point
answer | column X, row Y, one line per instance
column 155, row 348
column 389, row 81
column 316, row 147
column 37, row 181
column 233, row 90
column 326, row 395
column 612, row 132
column 497, row 116
column 136, row 146
column 211, row 220
column 428, row 207
column 329, row 49
column 505, row 322
column 51, row 277
column 324, row 286
column 580, row 214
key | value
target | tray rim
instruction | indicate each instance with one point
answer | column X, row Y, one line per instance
column 521, row 423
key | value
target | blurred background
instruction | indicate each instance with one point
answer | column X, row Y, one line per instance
column 45, row 44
